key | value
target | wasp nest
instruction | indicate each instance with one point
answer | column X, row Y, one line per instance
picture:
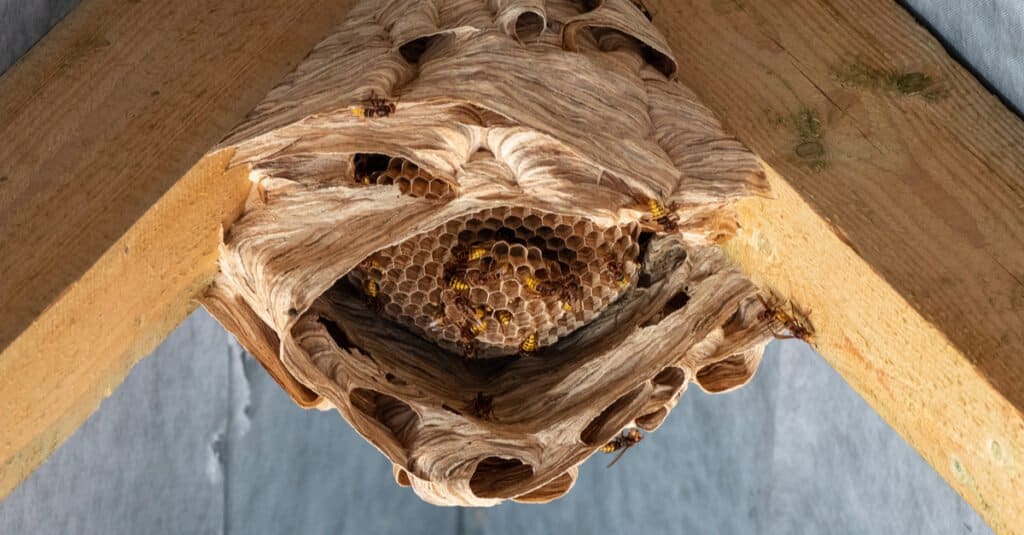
column 484, row 233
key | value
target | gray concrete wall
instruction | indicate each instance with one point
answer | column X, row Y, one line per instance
column 200, row 440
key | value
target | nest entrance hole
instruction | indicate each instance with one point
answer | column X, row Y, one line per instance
column 497, row 477
column 611, row 420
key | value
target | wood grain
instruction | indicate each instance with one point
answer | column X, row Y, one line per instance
column 897, row 218
column 104, row 244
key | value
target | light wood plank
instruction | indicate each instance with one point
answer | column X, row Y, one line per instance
column 103, row 244
column 897, row 216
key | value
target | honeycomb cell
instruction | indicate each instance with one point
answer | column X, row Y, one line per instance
column 532, row 222
column 497, row 300
column 438, row 189
column 415, row 271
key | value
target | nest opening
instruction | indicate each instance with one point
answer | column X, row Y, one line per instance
column 671, row 378
column 402, row 478
column 336, row 334
column 413, row 50
column 393, row 414
column 726, row 375
column 497, row 477
column 653, row 420
column 611, row 420
column 529, row 26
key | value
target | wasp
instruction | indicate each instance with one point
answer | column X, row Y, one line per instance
column 458, row 284
column 544, row 288
column 529, row 344
column 504, row 317
column 489, row 272
column 665, row 216
column 796, row 321
column 372, row 291
column 462, row 258
column 374, row 107
column 622, row 443
column 482, row 406
column 617, row 270
column 569, row 292
column 465, row 255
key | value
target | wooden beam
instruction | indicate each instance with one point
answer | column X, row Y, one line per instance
column 104, row 244
column 897, row 217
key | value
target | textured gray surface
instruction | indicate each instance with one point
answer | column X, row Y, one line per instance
column 23, row 22
column 986, row 34
column 200, row 440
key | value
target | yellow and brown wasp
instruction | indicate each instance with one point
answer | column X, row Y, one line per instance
column 462, row 256
column 664, row 216
column 504, row 317
column 458, row 284
column 374, row 107
column 372, row 291
column 622, row 443
column 529, row 344
column 797, row 321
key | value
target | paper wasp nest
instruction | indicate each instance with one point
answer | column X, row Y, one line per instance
column 484, row 231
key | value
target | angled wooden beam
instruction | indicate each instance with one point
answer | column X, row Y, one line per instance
column 106, row 235
column 897, row 217
column 898, row 181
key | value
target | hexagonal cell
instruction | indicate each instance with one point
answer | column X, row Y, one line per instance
column 581, row 228
column 555, row 244
column 419, row 187
column 531, row 222
column 438, row 189
column 447, row 240
column 393, row 309
column 415, row 271
column 517, row 254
